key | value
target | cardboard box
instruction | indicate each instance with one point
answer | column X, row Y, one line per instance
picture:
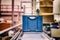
column 55, row 32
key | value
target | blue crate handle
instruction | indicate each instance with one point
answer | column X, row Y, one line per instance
column 32, row 17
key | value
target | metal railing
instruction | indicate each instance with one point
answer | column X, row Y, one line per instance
column 15, row 37
column 1, row 32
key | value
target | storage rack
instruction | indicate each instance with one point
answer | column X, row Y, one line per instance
column 46, row 10
column 6, row 9
column 11, row 9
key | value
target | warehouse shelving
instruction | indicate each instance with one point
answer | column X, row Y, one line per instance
column 7, row 9
column 46, row 6
column 46, row 10
column 9, row 12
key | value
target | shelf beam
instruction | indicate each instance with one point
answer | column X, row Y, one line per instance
column 46, row 14
column 26, row 2
column 46, row 5
column 8, row 15
column 11, row 12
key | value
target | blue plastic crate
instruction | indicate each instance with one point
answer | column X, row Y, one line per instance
column 32, row 23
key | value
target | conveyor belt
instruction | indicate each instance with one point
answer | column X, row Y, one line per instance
column 33, row 36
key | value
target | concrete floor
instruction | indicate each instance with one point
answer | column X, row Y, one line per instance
column 34, row 36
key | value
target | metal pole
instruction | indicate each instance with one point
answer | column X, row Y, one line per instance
column 18, row 14
column 24, row 9
column 12, row 12
column 33, row 5
column 0, row 6
column 0, row 12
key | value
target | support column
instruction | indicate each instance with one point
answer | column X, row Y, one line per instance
column 12, row 12
column 0, row 6
column 33, row 5
column 56, row 10
column 0, row 12
column 56, row 6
